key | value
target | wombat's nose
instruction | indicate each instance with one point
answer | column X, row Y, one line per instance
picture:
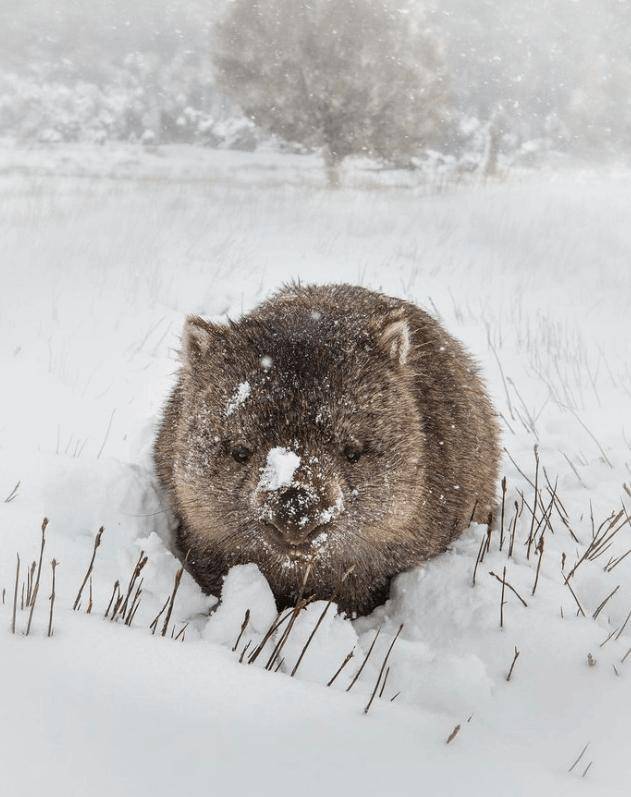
column 297, row 515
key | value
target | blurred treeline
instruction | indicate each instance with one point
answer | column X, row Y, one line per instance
column 543, row 78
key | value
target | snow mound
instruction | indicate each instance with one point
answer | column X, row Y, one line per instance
column 245, row 590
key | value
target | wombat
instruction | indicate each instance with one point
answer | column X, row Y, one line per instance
column 333, row 426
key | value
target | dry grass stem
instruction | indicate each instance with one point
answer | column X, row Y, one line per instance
column 580, row 608
column 176, row 586
column 97, row 542
column 122, row 608
column 13, row 493
column 280, row 619
column 311, row 635
column 381, row 671
column 244, row 651
column 513, row 529
column 623, row 626
column 502, row 513
column 540, row 547
column 348, row 657
column 580, row 755
column 534, row 504
column 53, row 565
column 300, row 604
column 363, row 664
column 502, row 601
column 39, row 573
column 453, row 734
column 156, row 619
column 181, row 632
column 385, row 681
column 244, row 625
column 115, row 590
column 512, row 667
column 15, row 594
column 509, row 585
column 602, row 605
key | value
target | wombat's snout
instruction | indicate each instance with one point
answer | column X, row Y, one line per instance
column 299, row 512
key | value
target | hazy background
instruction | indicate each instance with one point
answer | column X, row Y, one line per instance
column 553, row 77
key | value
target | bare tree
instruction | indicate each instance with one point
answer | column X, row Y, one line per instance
column 349, row 76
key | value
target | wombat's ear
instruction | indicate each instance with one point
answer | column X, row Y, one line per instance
column 197, row 340
column 394, row 336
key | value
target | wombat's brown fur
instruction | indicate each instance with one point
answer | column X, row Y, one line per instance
column 376, row 411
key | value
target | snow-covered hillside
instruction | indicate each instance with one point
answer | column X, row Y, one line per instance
column 98, row 273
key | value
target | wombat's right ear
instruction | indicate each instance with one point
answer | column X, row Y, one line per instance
column 394, row 336
column 197, row 340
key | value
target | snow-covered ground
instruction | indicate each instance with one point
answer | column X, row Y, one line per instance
column 97, row 274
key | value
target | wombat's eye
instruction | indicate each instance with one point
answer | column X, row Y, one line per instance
column 241, row 454
column 352, row 452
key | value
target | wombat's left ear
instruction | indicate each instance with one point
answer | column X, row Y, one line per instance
column 394, row 337
column 197, row 339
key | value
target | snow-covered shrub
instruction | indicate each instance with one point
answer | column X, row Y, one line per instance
column 352, row 78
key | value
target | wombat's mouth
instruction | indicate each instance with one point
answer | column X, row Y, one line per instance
column 306, row 548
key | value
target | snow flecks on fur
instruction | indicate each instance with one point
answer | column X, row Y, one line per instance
column 279, row 470
column 239, row 397
column 327, row 515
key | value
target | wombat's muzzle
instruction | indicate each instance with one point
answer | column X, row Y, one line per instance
column 298, row 513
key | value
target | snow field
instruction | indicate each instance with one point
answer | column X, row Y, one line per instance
column 97, row 276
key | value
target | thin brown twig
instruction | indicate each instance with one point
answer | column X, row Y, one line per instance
column 510, row 586
column 514, row 528
column 176, row 586
column 624, row 625
column 181, row 632
column 244, row 625
column 244, row 651
column 453, row 734
column 97, row 542
column 363, row 664
column 569, row 586
column 385, row 681
column 115, row 589
column 540, row 547
column 142, row 561
column 15, row 594
column 512, row 667
column 300, row 604
column 581, row 754
column 311, row 636
column 602, row 605
column 275, row 625
column 39, row 572
column 502, row 513
column 53, row 565
column 381, row 671
column 534, row 504
column 349, row 656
